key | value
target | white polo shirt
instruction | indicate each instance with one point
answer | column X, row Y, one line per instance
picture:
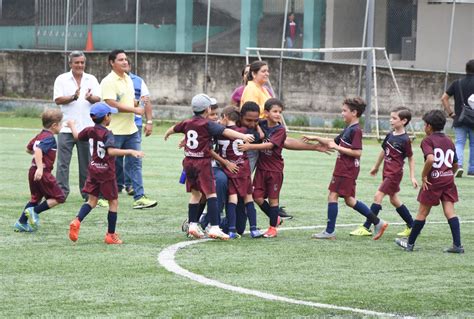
column 79, row 110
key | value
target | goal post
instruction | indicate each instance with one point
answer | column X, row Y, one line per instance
column 383, row 56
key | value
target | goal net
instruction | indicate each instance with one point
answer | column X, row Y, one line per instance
column 344, row 75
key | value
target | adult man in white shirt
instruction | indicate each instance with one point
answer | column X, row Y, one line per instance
column 75, row 91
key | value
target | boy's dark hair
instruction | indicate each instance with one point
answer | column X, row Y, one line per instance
column 470, row 67
column 98, row 120
column 51, row 116
column 249, row 107
column 113, row 55
column 273, row 102
column 436, row 119
column 199, row 113
column 214, row 107
column 231, row 112
column 255, row 66
column 356, row 104
column 403, row 113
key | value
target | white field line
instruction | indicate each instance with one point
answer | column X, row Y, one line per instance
column 166, row 258
column 19, row 129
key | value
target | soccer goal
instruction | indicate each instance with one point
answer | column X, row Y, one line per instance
column 357, row 57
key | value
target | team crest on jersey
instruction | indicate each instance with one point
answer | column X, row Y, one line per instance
column 387, row 151
column 435, row 174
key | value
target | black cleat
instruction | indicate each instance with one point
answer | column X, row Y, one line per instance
column 283, row 214
column 455, row 249
column 403, row 242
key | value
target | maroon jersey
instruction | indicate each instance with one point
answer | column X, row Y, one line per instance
column 348, row 166
column 102, row 165
column 444, row 152
column 396, row 148
column 229, row 150
column 198, row 133
column 271, row 160
column 46, row 142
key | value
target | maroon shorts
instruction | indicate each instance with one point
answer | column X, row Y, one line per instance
column 267, row 184
column 390, row 185
column 343, row 186
column 95, row 187
column 432, row 197
column 241, row 186
column 199, row 175
column 46, row 187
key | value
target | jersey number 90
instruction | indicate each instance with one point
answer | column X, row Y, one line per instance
column 441, row 158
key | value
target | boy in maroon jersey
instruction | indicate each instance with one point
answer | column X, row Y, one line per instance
column 197, row 162
column 42, row 182
column 396, row 147
column 239, row 179
column 438, row 181
column 343, row 182
column 101, row 178
column 268, row 177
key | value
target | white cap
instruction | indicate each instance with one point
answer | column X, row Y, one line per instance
column 201, row 102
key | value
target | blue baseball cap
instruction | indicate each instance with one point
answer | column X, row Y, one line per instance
column 101, row 109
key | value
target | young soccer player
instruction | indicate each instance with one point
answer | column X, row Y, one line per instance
column 239, row 179
column 197, row 162
column 395, row 148
column 101, row 178
column 438, row 181
column 42, row 183
column 268, row 177
column 343, row 182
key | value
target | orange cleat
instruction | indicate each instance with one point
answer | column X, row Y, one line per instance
column 74, row 228
column 271, row 232
column 112, row 239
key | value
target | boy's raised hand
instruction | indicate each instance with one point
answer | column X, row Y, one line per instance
column 243, row 147
column 70, row 123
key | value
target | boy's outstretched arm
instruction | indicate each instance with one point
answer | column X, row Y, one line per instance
column 299, row 145
column 127, row 152
column 72, row 125
column 411, row 165
column 169, row 132
column 377, row 164
column 229, row 133
column 344, row 150
column 257, row 147
column 322, row 140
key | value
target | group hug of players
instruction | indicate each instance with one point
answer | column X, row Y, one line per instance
column 245, row 134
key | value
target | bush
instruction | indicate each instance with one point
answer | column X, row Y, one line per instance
column 299, row 120
column 27, row 111
column 339, row 122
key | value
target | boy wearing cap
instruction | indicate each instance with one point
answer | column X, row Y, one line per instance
column 42, row 183
column 101, row 177
column 199, row 132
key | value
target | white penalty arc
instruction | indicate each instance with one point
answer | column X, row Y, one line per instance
column 166, row 258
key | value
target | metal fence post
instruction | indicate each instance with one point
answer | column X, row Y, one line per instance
column 66, row 36
column 368, row 70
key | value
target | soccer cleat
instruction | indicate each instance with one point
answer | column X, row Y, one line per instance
column 103, row 203
column 256, row 233
column 283, row 214
column 22, row 228
column 233, row 235
column 459, row 172
column 112, row 239
column 405, row 233
column 325, row 235
column 144, row 202
column 216, row 233
column 130, row 191
column 33, row 218
column 379, row 229
column 455, row 249
column 195, row 231
column 403, row 242
column 361, row 231
column 185, row 226
column 271, row 232
column 74, row 228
